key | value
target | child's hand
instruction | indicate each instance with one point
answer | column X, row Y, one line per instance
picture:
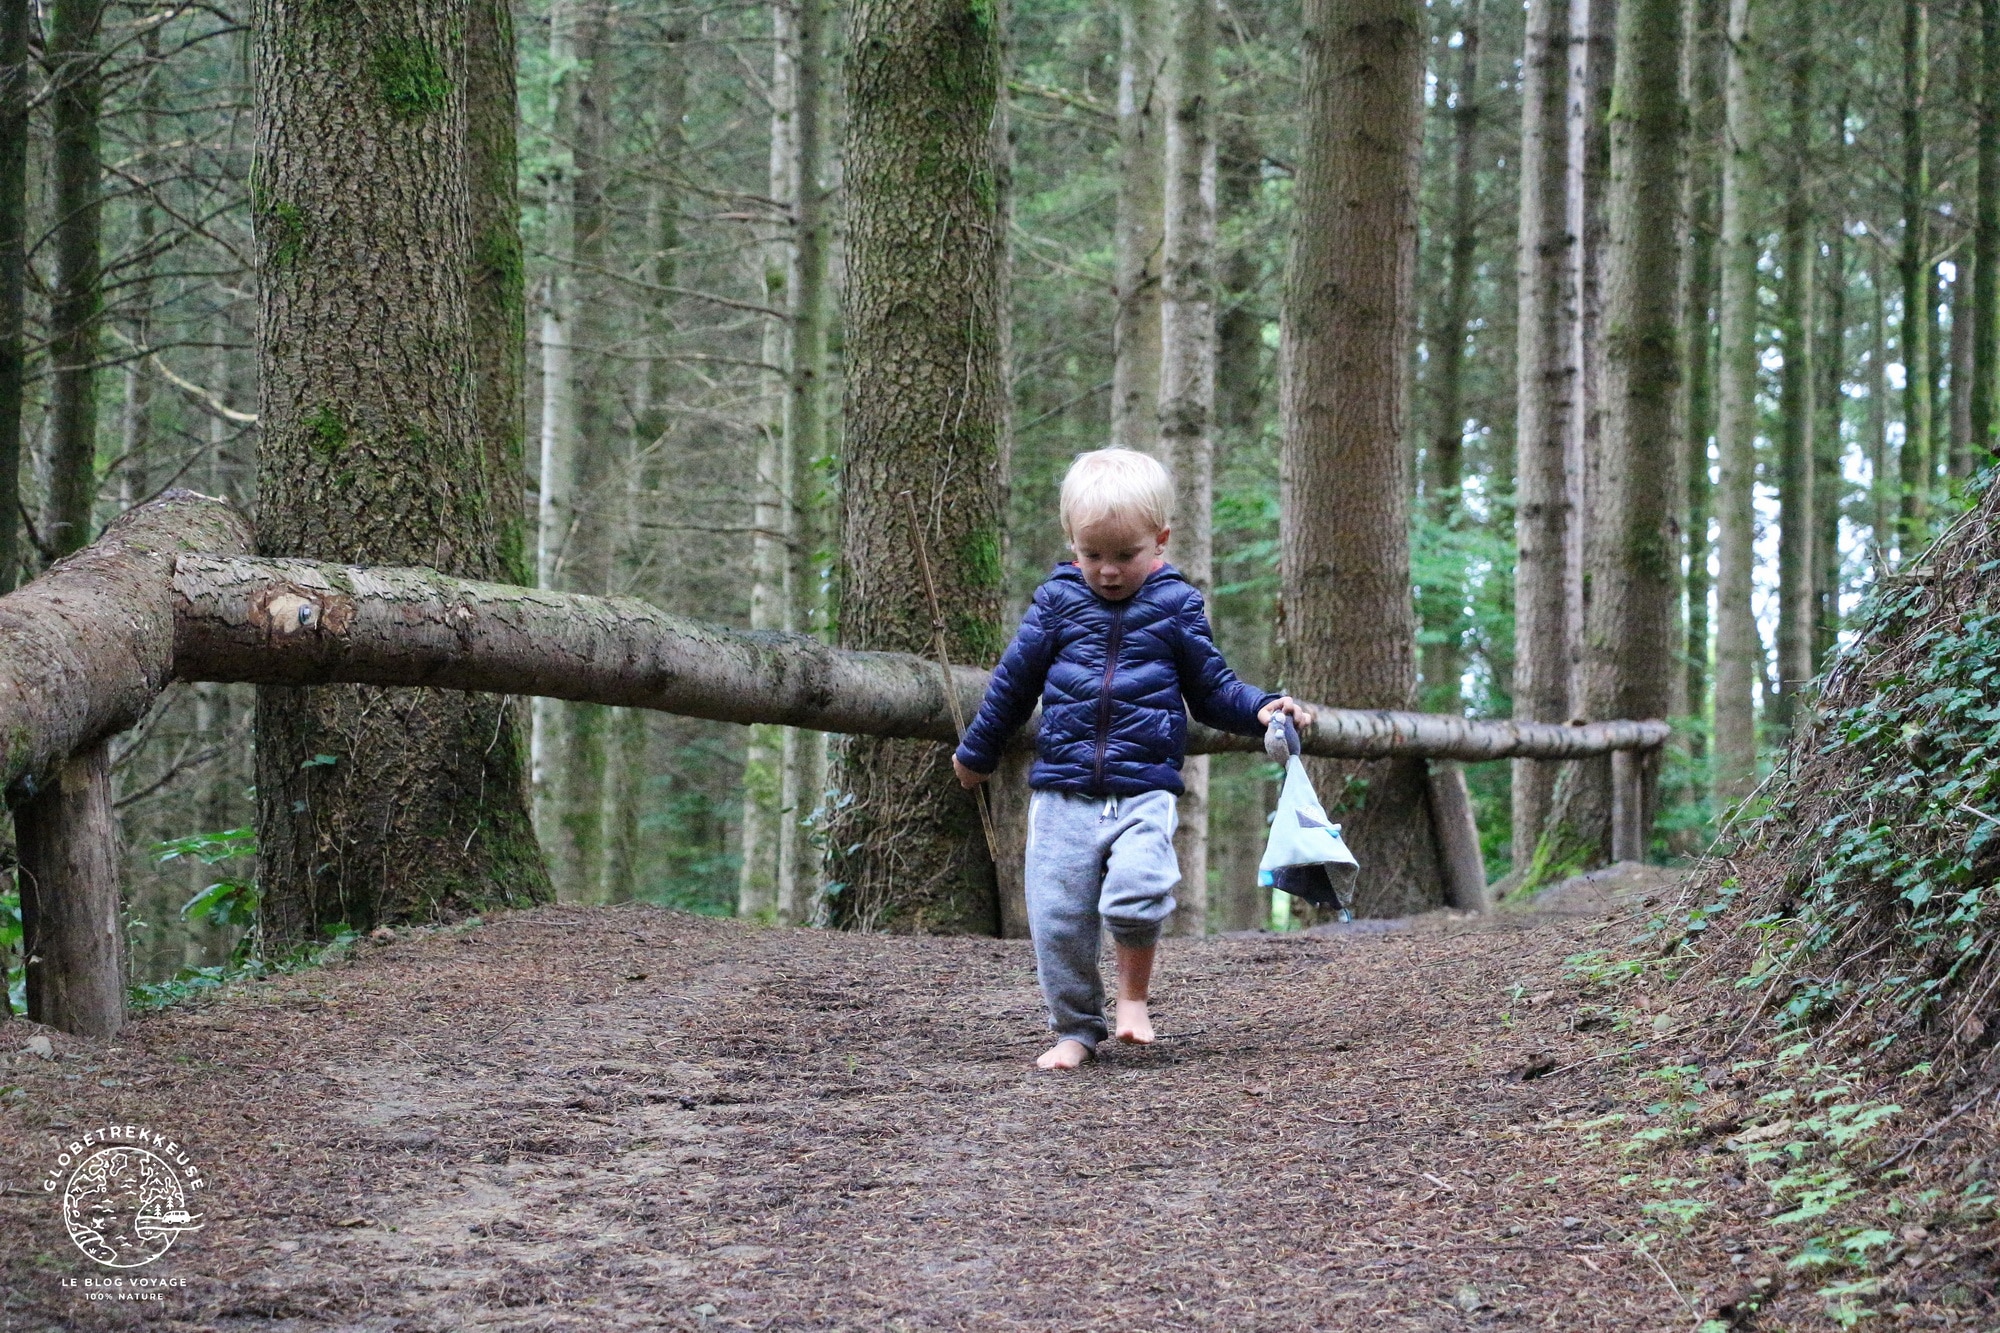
column 966, row 777
column 1301, row 715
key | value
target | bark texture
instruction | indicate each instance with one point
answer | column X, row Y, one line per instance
column 924, row 415
column 1796, row 527
column 72, row 931
column 1919, row 284
column 1140, row 241
column 1738, row 651
column 375, row 805
column 1704, row 49
column 810, row 308
column 1348, row 626
column 88, row 646
column 1985, row 242
column 16, row 90
column 1187, row 376
column 1635, row 561
column 76, row 89
column 1545, row 505
column 304, row 622
column 1443, row 663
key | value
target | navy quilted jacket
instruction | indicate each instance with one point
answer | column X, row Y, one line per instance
column 1111, row 677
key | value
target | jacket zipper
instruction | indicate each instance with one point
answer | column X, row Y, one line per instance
column 1104, row 692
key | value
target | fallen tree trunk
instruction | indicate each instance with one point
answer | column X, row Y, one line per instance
column 88, row 646
column 297, row 622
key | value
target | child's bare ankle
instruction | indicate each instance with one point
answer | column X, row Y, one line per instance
column 1068, row 1053
column 1135, row 1024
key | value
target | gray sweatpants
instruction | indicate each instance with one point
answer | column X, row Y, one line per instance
column 1094, row 861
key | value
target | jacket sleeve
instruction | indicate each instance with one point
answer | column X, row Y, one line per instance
column 1011, row 693
column 1215, row 697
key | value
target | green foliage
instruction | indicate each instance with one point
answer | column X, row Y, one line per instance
column 230, row 903
column 13, row 970
column 1911, row 844
column 695, row 825
column 193, row 982
column 410, row 77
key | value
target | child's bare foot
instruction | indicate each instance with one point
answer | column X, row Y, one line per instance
column 1065, row 1054
column 1135, row 1025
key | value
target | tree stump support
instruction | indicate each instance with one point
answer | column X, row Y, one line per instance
column 1457, row 830
column 73, row 937
column 1628, row 806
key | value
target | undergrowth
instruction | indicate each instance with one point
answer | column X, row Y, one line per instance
column 1828, row 984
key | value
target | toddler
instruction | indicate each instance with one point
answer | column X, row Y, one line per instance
column 1119, row 652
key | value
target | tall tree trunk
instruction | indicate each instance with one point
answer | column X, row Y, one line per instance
column 16, row 95
column 1545, row 514
column 1918, row 285
column 556, row 513
column 1796, row 525
column 629, row 735
column 1629, row 633
column 1960, row 359
column 1242, row 903
column 1443, row 663
column 1344, row 565
column 1985, row 243
column 496, row 309
column 1830, row 443
column 1187, row 376
column 599, row 488
column 924, row 415
column 1592, row 52
column 577, row 441
column 1738, row 650
column 137, row 425
column 1882, row 484
column 771, row 507
column 809, row 309
column 1141, row 235
column 1704, row 40
column 375, row 804
column 75, row 304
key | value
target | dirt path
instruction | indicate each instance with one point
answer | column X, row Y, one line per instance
column 627, row 1118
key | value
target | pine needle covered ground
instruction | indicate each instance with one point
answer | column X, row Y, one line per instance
column 631, row 1118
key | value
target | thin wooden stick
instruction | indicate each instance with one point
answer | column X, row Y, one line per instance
column 944, row 667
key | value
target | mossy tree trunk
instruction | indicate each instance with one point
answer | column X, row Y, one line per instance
column 1443, row 662
column 771, row 527
column 1140, row 237
column 809, row 306
column 1986, row 242
column 1738, row 652
column 1348, row 624
column 1545, row 509
column 1919, row 285
column 1828, row 443
column 924, row 415
column 1187, row 376
column 1704, row 45
column 76, row 89
column 377, row 804
column 1795, row 412
column 1635, row 566
column 16, row 93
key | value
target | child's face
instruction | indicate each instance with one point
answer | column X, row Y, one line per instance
column 1116, row 554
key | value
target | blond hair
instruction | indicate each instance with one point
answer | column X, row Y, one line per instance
column 1121, row 483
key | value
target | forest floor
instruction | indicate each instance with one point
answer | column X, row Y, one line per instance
column 631, row 1118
